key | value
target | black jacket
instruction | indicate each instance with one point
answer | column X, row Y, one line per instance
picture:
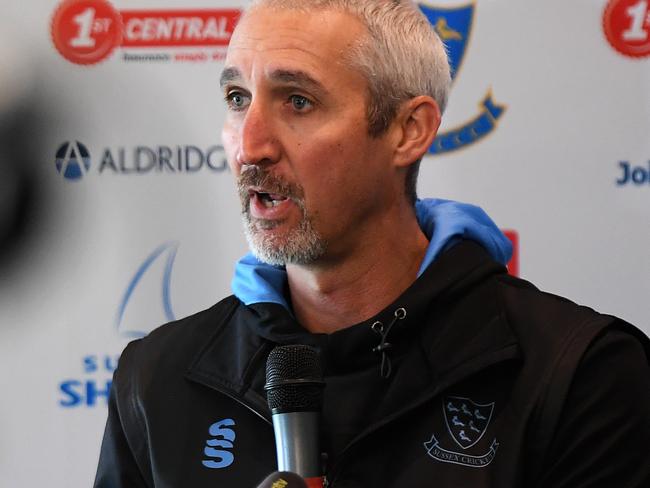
column 488, row 383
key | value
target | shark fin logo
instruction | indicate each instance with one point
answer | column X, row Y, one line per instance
column 149, row 289
column 454, row 27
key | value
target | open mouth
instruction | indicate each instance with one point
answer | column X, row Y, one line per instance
column 269, row 200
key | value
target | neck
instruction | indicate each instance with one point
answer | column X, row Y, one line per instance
column 337, row 293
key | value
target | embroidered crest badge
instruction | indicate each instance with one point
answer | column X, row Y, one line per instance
column 466, row 422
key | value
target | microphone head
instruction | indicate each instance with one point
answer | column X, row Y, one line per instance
column 283, row 479
column 294, row 379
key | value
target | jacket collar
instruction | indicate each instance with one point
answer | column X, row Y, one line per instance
column 443, row 222
column 470, row 331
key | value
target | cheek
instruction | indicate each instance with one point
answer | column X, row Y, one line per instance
column 318, row 162
column 330, row 174
column 230, row 143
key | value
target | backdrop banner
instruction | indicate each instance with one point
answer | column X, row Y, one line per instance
column 121, row 214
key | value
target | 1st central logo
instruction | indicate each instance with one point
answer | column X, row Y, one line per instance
column 454, row 26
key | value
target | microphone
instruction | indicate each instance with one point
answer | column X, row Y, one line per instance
column 294, row 388
column 282, row 479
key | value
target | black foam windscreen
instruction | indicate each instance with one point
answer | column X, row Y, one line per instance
column 282, row 479
column 294, row 379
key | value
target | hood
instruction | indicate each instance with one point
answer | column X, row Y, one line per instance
column 444, row 223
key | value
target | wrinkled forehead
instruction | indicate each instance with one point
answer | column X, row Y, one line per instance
column 317, row 40
column 336, row 29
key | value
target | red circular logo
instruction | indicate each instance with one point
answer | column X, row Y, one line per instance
column 627, row 26
column 86, row 31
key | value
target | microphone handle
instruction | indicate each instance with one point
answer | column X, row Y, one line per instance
column 297, row 443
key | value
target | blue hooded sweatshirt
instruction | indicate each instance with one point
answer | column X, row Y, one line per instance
column 444, row 223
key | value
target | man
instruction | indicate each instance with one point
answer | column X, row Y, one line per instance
column 441, row 370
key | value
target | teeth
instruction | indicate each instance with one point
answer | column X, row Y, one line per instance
column 269, row 200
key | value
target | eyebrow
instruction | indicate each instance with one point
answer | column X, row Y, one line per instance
column 296, row 77
column 299, row 78
column 229, row 75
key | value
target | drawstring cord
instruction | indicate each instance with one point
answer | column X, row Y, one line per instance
column 384, row 345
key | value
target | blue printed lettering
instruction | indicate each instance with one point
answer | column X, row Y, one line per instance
column 90, row 364
column 625, row 166
column 110, row 363
column 223, row 437
column 219, row 443
column 636, row 175
column 93, row 392
column 217, row 429
column 69, row 389
column 639, row 176
column 225, row 458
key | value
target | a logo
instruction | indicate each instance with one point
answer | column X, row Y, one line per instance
column 87, row 31
column 218, row 447
column 145, row 304
column 467, row 423
column 633, row 175
column 466, row 420
column 627, row 27
column 454, row 26
column 134, row 328
column 93, row 387
column 72, row 160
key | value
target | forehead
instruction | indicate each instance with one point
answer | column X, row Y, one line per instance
column 317, row 42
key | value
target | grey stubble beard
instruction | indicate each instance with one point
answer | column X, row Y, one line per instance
column 300, row 245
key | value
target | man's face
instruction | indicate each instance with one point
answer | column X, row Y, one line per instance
column 311, row 180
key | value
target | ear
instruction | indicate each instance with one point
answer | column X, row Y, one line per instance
column 418, row 121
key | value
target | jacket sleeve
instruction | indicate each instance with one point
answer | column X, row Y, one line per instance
column 603, row 433
column 118, row 466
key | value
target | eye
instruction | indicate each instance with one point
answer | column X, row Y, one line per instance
column 300, row 103
column 236, row 100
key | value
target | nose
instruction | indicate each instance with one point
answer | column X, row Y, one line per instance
column 258, row 141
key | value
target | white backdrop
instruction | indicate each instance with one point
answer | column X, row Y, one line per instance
column 116, row 252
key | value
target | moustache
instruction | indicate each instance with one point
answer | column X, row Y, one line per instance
column 263, row 180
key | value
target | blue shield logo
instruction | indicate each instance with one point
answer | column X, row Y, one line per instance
column 453, row 26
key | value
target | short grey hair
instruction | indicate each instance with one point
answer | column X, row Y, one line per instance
column 402, row 59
